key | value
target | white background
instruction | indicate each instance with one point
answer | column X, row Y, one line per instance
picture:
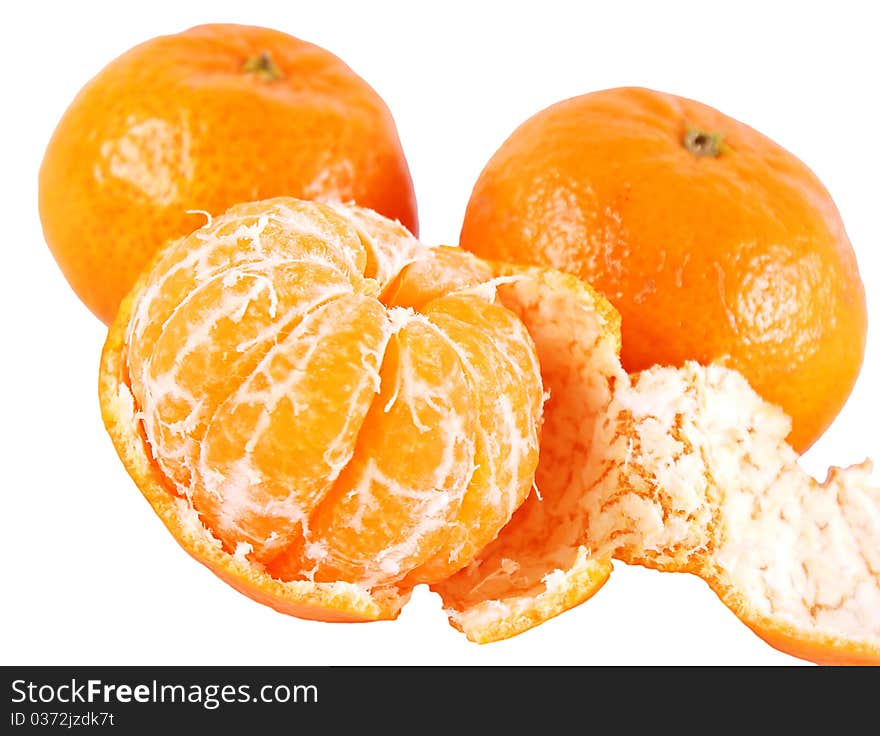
column 92, row 576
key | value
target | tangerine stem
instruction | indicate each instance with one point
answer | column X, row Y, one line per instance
column 704, row 142
column 263, row 65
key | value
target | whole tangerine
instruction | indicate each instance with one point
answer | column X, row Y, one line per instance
column 714, row 243
column 201, row 120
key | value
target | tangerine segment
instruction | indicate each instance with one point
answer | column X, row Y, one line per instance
column 308, row 427
column 392, row 506
column 211, row 342
column 277, row 231
column 389, row 245
column 435, row 272
column 275, row 446
column 506, row 442
column 705, row 482
column 540, row 564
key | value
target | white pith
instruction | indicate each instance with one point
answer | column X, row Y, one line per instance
column 712, row 487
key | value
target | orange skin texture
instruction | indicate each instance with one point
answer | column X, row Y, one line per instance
column 178, row 124
column 814, row 647
column 740, row 259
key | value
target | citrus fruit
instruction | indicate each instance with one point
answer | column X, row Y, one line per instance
column 713, row 242
column 200, row 120
column 327, row 412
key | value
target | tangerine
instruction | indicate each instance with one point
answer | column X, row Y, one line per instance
column 327, row 412
column 201, row 120
column 714, row 243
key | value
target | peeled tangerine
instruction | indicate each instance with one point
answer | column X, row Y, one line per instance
column 327, row 413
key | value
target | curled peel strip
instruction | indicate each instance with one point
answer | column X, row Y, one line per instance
column 681, row 470
column 704, row 482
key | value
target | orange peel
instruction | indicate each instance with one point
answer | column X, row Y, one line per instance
column 704, row 482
